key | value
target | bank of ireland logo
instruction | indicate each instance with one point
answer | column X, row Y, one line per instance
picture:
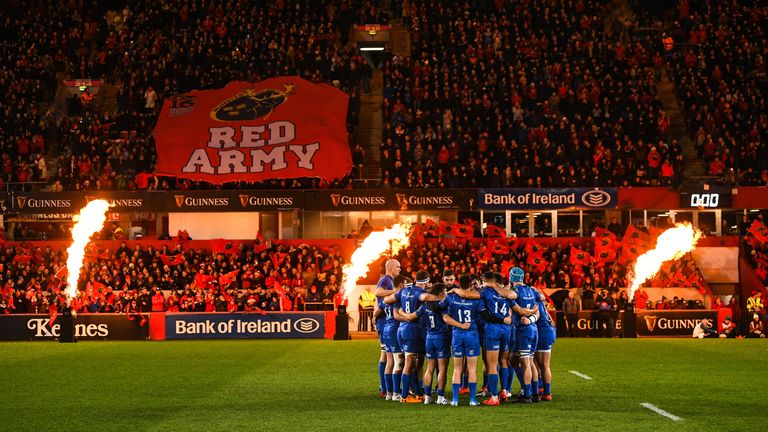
column 596, row 198
column 306, row 325
column 650, row 322
column 251, row 104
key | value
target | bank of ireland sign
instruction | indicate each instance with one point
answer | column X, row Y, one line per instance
column 547, row 198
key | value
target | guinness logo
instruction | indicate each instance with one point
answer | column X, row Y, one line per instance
column 402, row 201
column 650, row 322
column 244, row 200
column 21, row 201
column 179, row 200
column 335, row 199
column 251, row 104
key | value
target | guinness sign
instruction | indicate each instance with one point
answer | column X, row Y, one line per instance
column 387, row 199
column 671, row 322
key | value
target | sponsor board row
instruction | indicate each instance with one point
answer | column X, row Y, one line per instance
column 245, row 326
column 87, row 327
column 317, row 200
column 177, row 326
column 649, row 323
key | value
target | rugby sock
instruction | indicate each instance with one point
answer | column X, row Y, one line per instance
column 472, row 391
column 519, row 375
column 504, row 376
column 535, row 387
column 406, row 384
column 485, row 380
column 441, row 392
column 456, row 388
column 427, row 390
column 510, row 378
column 397, row 378
column 421, row 388
column 415, row 383
column 547, row 388
column 382, row 378
column 493, row 384
column 464, row 379
column 389, row 383
column 541, row 383
column 526, row 390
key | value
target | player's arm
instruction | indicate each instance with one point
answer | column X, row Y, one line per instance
column 453, row 323
column 467, row 294
column 507, row 294
column 378, row 313
column 527, row 316
column 404, row 317
column 390, row 299
column 427, row 297
column 382, row 292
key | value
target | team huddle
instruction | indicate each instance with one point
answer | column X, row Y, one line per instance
column 419, row 322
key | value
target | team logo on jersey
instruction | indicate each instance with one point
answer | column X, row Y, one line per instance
column 650, row 322
column 251, row 104
column 596, row 198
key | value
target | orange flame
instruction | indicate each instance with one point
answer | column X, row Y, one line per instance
column 90, row 220
column 394, row 238
column 671, row 245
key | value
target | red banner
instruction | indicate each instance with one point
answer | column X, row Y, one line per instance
column 283, row 127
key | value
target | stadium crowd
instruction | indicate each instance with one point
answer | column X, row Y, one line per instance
column 552, row 266
column 490, row 96
column 523, row 96
column 31, row 53
column 719, row 66
column 260, row 278
column 284, row 278
column 153, row 50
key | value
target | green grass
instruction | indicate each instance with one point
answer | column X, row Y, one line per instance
column 326, row 385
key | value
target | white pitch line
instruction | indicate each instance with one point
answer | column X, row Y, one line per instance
column 660, row 411
column 579, row 374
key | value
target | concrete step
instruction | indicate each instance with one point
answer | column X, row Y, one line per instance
column 678, row 128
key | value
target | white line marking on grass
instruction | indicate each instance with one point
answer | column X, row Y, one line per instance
column 579, row 374
column 660, row 411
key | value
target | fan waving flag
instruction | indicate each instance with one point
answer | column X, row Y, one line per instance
column 283, row 127
column 580, row 257
column 759, row 230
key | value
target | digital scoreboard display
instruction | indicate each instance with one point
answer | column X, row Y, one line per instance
column 705, row 197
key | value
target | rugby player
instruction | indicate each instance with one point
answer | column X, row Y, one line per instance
column 525, row 334
column 387, row 326
column 406, row 303
column 547, row 336
column 437, row 347
column 462, row 315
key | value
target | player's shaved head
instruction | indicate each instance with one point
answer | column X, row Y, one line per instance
column 392, row 267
